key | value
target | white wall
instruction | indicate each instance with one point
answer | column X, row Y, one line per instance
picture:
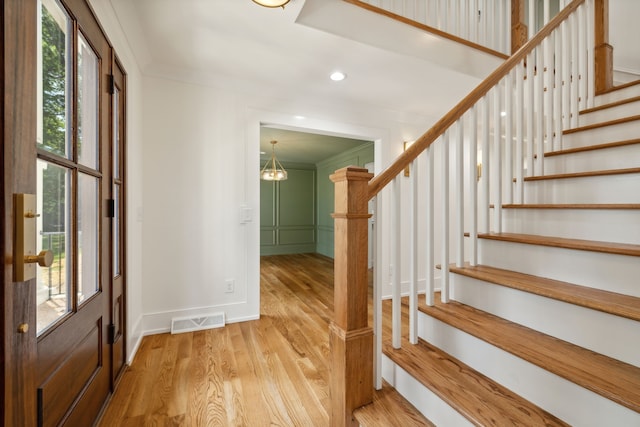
column 624, row 33
column 193, row 152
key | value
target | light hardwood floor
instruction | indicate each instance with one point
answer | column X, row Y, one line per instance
column 269, row 372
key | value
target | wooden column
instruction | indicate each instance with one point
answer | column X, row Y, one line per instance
column 519, row 30
column 603, row 50
column 350, row 337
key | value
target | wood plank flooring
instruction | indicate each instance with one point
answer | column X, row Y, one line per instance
column 269, row 372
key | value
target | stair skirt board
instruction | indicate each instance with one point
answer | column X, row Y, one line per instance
column 424, row 400
column 560, row 397
column 609, row 272
column 604, row 333
column 617, row 225
column 616, row 157
column 585, row 190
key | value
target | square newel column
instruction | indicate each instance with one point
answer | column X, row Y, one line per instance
column 603, row 51
column 350, row 337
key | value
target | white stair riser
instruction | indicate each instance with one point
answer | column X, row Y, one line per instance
column 615, row 273
column 602, row 135
column 603, row 333
column 621, row 188
column 612, row 113
column 562, row 398
column 423, row 399
column 617, row 95
column 619, row 226
column 621, row 157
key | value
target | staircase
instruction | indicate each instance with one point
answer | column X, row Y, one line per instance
column 527, row 195
column 545, row 330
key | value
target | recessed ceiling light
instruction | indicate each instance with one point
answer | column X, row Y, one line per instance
column 337, row 76
column 300, row 117
column 503, row 114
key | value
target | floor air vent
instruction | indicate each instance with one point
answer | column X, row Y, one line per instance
column 189, row 324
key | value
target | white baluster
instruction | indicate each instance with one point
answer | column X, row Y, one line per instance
column 473, row 185
column 413, row 256
column 496, row 165
column 546, row 11
column 430, row 219
column 557, row 91
column 486, row 167
column 574, row 69
column 548, row 95
column 539, row 52
column 530, row 102
column 508, row 137
column 396, row 317
column 459, row 193
column 444, row 283
column 473, row 21
column 566, row 75
column 591, row 84
column 377, row 292
column 582, row 58
column 519, row 111
column 532, row 19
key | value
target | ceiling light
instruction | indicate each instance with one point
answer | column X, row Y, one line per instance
column 273, row 170
column 272, row 3
column 338, row 76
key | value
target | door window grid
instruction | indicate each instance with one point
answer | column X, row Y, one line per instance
column 75, row 275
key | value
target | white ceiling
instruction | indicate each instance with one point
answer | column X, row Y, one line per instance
column 288, row 54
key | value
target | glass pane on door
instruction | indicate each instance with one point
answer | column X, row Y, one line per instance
column 88, row 280
column 55, row 84
column 54, row 222
column 88, row 95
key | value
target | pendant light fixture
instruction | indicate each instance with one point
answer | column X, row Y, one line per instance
column 273, row 170
column 272, row 3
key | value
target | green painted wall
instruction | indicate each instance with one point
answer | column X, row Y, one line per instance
column 288, row 214
column 358, row 156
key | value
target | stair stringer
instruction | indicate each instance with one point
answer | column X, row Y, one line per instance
column 560, row 397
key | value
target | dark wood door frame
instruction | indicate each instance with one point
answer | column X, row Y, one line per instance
column 18, row 78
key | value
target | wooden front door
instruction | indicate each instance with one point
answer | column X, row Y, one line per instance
column 59, row 140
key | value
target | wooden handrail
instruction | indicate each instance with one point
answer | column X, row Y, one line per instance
column 424, row 141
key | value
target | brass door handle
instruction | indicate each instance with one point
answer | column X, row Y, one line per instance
column 25, row 239
column 44, row 258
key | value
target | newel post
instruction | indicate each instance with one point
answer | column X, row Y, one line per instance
column 350, row 337
column 519, row 30
column 603, row 53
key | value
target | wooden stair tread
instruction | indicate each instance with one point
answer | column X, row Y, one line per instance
column 390, row 408
column 602, row 124
column 596, row 299
column 585, row 206
column 592, row 147
column 610, row 378
column 610, row 105
column 583, row 174
column 475, row 396
column 559, row 242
